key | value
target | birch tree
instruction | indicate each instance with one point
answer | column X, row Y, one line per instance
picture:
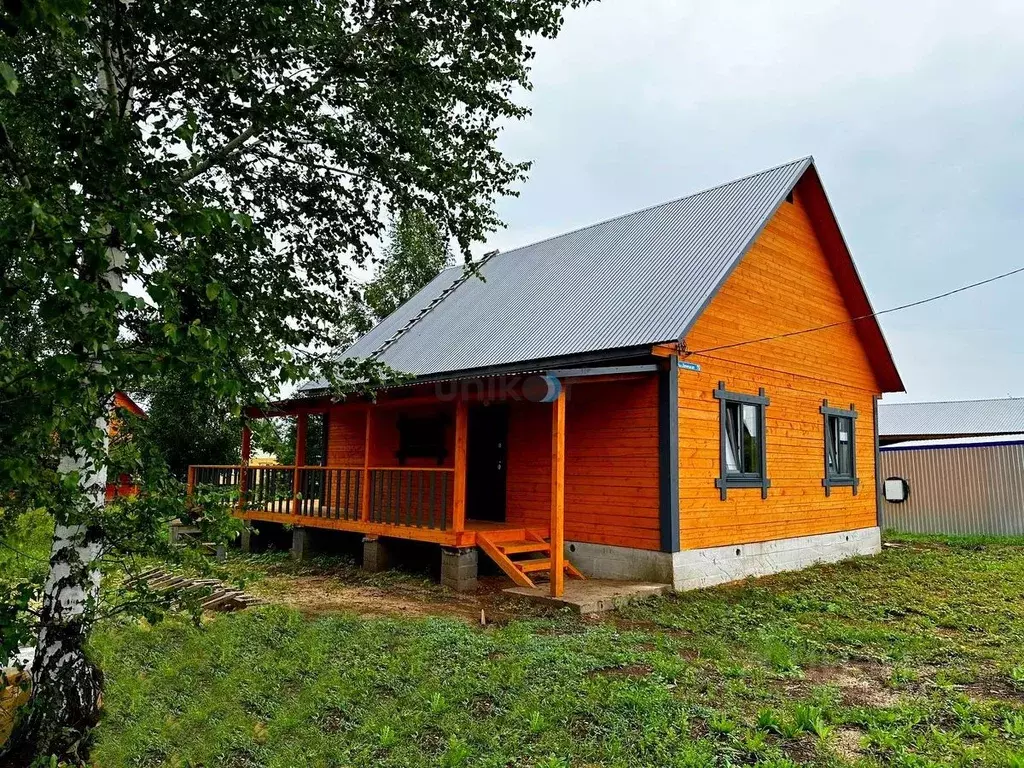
column 183, row 180
column 415, row 254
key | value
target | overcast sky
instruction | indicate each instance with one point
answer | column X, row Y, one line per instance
column 914, row 112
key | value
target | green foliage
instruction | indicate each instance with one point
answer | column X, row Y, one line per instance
column 285, row 446
column 545, row 689
column 185, row 189
column 721, row 724
column 767, row 720
column 416, row 253
column 25, row 545
column 187, row 424
column 810, row 719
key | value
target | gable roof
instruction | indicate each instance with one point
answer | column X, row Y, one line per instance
column 629, row 282
column 956, row 418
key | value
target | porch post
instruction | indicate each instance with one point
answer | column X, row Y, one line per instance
column 301, row 424
column 243, row 476
column 364, row 495
column 459, row 490
column 558, row 494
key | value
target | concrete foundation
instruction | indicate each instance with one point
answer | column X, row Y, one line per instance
column 593, row 595
column 376, row 557
column 245, row 543
column 300, row 543
column 697, row 568
column 603, row 561
column 459, row 569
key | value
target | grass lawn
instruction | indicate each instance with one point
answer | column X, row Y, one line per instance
column 915, row 657
column 25, row 549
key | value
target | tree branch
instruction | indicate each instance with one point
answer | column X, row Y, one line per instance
column 12, row 156
column 221, row 154
column 313, row 164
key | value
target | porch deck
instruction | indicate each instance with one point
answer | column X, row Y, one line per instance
column 424, row 498
column 398, row 502
column 467, row 537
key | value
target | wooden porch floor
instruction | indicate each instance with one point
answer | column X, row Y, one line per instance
column 451, row 538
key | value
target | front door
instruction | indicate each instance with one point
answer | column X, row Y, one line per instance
column 487, row 450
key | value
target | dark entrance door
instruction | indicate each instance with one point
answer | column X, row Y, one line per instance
column 487, row 450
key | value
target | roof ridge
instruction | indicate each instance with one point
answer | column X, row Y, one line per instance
column 436, row 301
column 674, row 200
column 952, row 402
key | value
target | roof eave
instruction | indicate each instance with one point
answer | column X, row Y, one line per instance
column 882, row 361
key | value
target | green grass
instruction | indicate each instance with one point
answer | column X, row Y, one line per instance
column 912, row 658
column 25, row 548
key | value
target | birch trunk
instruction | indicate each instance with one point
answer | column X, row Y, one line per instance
column 66, row 686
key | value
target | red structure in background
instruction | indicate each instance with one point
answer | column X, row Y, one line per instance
column 123, row 487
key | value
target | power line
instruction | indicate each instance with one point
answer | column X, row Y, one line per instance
column 918, row 303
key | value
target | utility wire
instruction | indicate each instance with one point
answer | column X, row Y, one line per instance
column 918, row 303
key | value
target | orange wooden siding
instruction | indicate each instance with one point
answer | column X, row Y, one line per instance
column 346, row 436
column 384, row 438
column 783, row 284
column 611, row 464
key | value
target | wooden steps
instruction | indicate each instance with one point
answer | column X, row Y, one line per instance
column 517, row 547
column 538, row 564
column 523, row 554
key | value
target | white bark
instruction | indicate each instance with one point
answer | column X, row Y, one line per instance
column 73, row 583
column 66, row 687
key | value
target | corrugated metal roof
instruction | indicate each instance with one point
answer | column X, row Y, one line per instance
column 982, row 441
column 952, row 418
column 637, row 279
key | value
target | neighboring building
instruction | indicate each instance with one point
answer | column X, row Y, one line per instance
column 123, row 486
column 899, row 422
column 596, row 399
column 961, row 486
column 953, row 467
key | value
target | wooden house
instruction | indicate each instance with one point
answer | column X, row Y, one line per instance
column 123, row 486
column 639, row 399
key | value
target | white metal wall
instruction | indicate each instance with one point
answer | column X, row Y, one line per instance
column 968, row 489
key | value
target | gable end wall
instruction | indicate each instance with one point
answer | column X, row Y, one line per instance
column 784, row 283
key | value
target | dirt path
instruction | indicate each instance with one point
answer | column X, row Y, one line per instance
column 317, row 595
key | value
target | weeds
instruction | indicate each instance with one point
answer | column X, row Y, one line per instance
column 919, row 650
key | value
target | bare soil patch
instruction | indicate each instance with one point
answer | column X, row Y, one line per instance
column 994, row 688
column 861, row 683
column 323, row 594
column 847, row 743
column 631, row 670
column 801, row 750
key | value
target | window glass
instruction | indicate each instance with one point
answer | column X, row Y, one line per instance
column 751, row 439
column 743, row 439
column 840, row 446
column 732, row 464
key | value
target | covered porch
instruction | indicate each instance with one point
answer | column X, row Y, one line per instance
column 472, row 464
column 425, row 464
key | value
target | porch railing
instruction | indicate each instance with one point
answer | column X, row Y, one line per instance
column 413, row 497
column 399, row 496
